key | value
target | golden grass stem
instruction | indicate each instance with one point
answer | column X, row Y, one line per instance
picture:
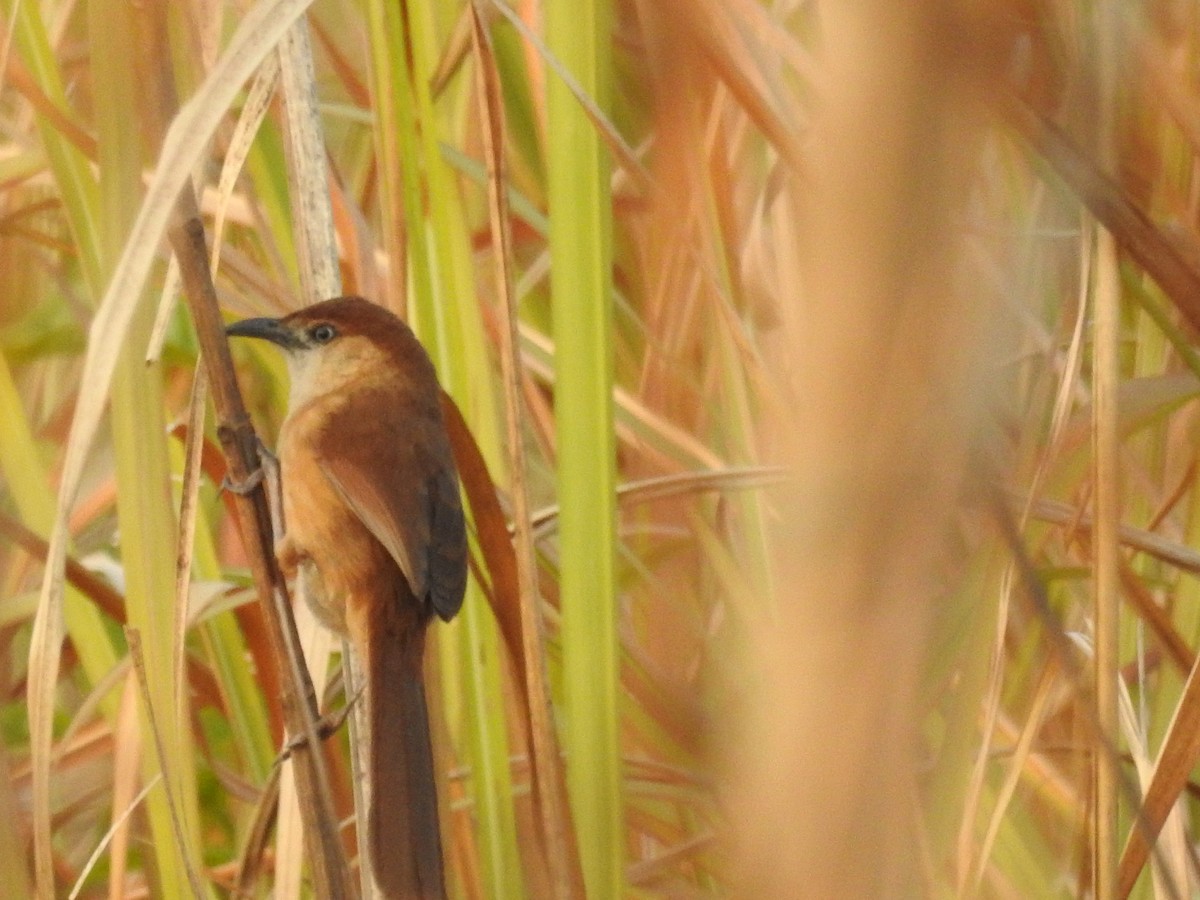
column 1106, row 542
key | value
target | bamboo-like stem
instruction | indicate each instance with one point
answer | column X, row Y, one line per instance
column 308, row 173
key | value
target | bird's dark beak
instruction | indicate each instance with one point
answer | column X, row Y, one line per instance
column 267, row 329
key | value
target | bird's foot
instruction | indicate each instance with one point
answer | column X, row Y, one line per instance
column 268, row 464
column 244, row 487
column 326, row 727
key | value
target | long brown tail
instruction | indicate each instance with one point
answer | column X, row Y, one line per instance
column 405, row 845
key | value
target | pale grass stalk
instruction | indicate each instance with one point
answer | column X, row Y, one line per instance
column 316, row 644
column 1106, row 543
column 127, row 762
column 308, row 179
column 181, row 834
column 116, row 830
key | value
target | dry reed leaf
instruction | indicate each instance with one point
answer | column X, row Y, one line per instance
column 688, row 450
column 1016, row 771
column 1155, row 545
column 254, row 110
column 188, row 509
column 1171, row 866
column 1161, row 624
column 647, row 490
column 134, row 640
column 733, row 50
column 1176, row 268
column 1178, row 754
column 1106, row 549
column 21, row 79
column 188, row 136
column 308, row 173
column 127, row 761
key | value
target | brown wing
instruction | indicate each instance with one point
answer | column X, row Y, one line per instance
column 414, row 509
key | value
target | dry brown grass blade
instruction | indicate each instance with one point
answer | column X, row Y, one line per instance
column 20, row 78
column 1178, row 755
column 250, row 863
column 109, row 600
column 347, row 74
column 1106, row 583
column 1176, row 269
column 1175, row 856
column 1029, row 731
column 548, row 778
column 616, row 143
column 1161, row 548
column 1157, row 618
column 186, row 544
column 646, row 490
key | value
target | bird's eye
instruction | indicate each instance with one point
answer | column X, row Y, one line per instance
column 323, row 333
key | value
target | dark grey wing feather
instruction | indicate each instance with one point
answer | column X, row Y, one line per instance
column 447, row 545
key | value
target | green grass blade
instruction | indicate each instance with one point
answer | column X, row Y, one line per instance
column 581, row 282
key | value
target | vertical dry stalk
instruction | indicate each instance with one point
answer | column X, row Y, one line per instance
column 881, row 350
column 547, row 777
column 1106, row 450
column 1106, row 446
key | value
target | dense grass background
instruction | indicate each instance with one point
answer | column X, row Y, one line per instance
column 834, row 363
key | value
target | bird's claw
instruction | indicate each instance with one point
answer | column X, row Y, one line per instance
column 267, row 461
column 242, row 488
column 326, row 727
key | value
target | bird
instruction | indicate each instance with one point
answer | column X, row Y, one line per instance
column 374, row 530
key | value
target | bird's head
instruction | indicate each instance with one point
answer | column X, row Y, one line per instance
column 338, row 343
